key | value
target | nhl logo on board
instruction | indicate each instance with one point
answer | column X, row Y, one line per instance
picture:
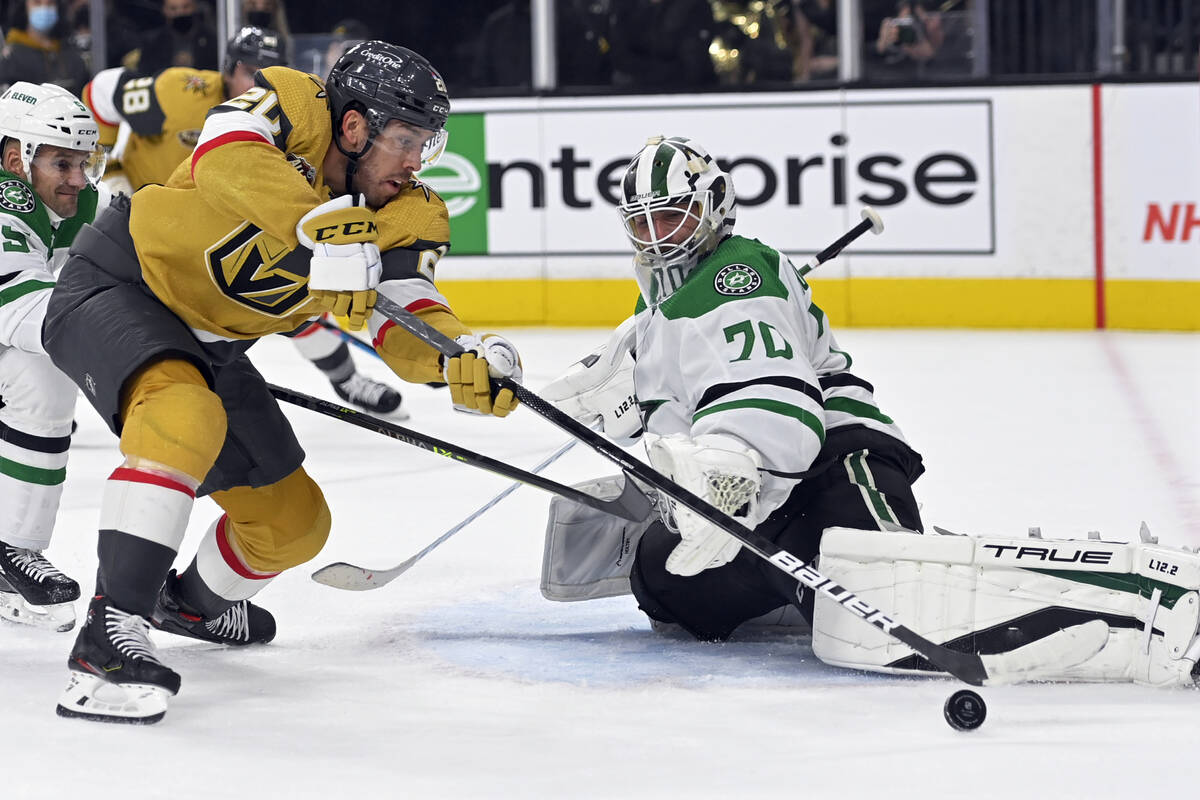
column 736, row 279
column 16, row 196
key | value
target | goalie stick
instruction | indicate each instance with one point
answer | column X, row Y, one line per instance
column 967, row 667
column 631, row 505
column 349, row 577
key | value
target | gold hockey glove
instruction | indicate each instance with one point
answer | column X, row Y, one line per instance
column 345, row 266
column 469, row 375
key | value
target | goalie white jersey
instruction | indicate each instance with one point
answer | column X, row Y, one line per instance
column 741, row 349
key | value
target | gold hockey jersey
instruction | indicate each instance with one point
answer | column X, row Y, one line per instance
column 217, row 242
column 164, row 114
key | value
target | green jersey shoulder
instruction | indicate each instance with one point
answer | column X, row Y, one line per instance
column 25, row 222
column 739, row 269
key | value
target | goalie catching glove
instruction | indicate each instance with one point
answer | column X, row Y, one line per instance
column 345, row 266
column 599, row 388
column 469, row 374
column 719, row 470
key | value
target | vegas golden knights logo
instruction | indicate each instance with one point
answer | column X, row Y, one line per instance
column 259, row 271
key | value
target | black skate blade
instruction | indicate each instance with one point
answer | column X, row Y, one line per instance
column 70, row 713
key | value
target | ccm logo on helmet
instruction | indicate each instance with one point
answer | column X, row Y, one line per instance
column 355, row 228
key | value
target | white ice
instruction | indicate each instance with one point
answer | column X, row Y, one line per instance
column 459, row 680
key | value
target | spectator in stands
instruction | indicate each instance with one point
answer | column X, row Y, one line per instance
column 36, row 49
column 266, row 14
column 346, row 33
column 503, row 55
column 661, row 44
column 815, row 32
column 187, row 39
column 907, row 41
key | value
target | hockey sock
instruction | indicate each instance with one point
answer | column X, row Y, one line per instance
column 143, row 516
column 326, row 350
column 218, row 576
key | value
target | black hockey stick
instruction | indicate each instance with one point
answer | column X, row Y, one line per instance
column 352, row 578
column 631, row 505
column 870, row 222
column 967, row 667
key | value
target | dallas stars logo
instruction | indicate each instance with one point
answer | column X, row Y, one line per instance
column 16, row 196
column 736, row 279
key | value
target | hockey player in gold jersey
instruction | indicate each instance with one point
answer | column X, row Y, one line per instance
column 299, row 199
column 152, row 124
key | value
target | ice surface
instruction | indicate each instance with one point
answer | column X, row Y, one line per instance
column 459, row 680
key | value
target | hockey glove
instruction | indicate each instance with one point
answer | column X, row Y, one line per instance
column 600, row 388
column 345, row 266
column 720, row 470
column 469, row 374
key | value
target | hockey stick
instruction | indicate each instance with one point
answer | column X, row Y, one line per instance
column 347, row 337
column 967, row 667
column 341, row 575
column 870, row 222
column 631, row 505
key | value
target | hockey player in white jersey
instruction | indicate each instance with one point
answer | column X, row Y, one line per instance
column 745, row 398
column 49, row 166
column 747, row 401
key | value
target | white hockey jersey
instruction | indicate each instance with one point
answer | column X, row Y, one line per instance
column 741, row 349
column 32, row 251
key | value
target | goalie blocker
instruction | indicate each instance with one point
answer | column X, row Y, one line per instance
column 992, row 595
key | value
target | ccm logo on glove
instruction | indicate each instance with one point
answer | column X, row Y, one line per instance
column 353, row 230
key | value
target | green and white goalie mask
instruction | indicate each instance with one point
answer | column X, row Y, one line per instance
column 676, row 206
column 48, row 115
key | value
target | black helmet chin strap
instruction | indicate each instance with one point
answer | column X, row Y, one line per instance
column 352, row 158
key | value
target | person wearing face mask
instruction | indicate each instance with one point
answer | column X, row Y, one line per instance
column 187, row 39
column 266, row 14
column 36, row 49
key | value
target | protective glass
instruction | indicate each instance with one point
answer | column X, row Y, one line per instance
column 62, row 163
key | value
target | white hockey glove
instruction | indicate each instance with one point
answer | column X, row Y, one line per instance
column 599, row 388
column 718, row 469
column 468, row 375
column 345, row 266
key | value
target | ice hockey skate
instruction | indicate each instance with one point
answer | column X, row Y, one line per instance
column 115, row 674
column 372, row 396
column 244, row 623
column 34, row 592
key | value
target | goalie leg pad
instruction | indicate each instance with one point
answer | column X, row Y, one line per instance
column 589, row 554
column 996, row 596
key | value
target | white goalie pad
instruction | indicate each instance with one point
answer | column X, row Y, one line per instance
column 589, row 554
column 1008, row 596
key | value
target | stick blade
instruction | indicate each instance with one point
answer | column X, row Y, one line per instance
column 350, row 578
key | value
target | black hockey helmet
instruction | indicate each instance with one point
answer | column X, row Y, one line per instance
column 383, row 82
column 257, row 48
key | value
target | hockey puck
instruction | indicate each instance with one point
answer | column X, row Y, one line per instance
column 965, row 710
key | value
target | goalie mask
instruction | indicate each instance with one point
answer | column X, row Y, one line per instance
column 384, row 82
column 46, row 114
column 676, row 206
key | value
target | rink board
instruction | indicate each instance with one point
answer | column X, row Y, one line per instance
column 1051, row 206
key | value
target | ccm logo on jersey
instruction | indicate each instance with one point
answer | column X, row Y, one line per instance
column 353, row 228
column 1055, row 554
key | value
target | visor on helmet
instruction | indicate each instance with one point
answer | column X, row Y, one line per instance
column 50, row 160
